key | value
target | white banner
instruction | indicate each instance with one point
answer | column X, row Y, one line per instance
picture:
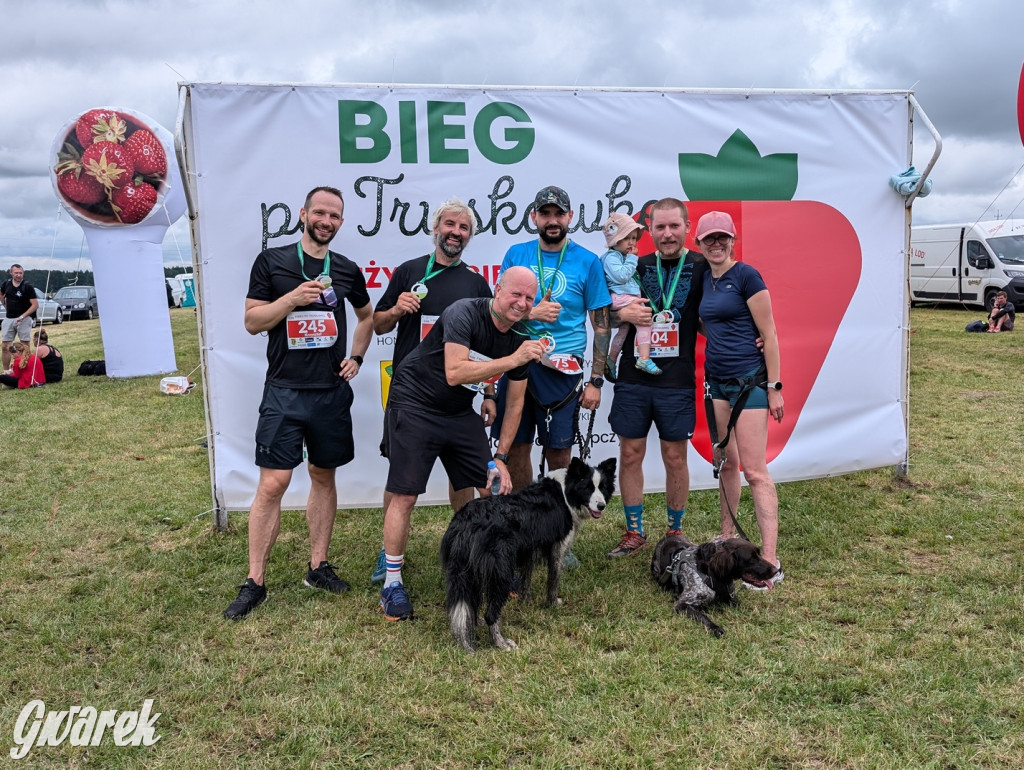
column 805, row 176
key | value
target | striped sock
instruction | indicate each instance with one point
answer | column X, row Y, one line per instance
column 675, row 518
column 393, row 564
column 634, row 518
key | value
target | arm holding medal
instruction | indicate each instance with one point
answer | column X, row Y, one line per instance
column 460, row 370
column 386, row 320
column 262, row 316
column 361, row 337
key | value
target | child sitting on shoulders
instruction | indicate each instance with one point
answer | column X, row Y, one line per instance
column 621, row 234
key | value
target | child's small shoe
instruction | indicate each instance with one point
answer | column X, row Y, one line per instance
column 647, row 365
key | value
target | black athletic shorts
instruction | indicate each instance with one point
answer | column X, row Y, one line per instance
column 321, row 418
column 415, row 439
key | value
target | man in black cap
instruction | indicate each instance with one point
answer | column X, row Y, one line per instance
column 571, row 286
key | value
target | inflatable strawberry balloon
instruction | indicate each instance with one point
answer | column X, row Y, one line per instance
column 110, row 170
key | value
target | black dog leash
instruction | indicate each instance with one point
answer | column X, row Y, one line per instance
column 553, row 407
column 747, row 384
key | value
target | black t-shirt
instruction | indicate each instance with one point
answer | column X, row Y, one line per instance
column 53, row 365
column 676, row 371
column 421, row 383
column 1007, row 309
column 275, row 273
column 453, row 283
column 18, row 298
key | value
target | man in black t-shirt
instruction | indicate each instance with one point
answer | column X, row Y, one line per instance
column 1003, row 314
column 430, row 411
column 671, row 280
column 297, row 296
column 417, row 293
column 19, row 299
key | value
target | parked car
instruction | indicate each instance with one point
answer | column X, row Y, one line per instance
column 49, row 310
column 78, row 302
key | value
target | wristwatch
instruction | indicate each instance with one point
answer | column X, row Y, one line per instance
column 597, row 382
column 777, row 385
column 490, row 397
column 502, row 457
column 358, row 360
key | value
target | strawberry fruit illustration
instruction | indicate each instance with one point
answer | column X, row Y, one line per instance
column 133, row 202
column 100, row 126
column 109, row 164
column 147, row 153
column 799, row 247
column 72, row 183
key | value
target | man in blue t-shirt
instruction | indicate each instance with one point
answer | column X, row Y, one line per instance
column 571, row 286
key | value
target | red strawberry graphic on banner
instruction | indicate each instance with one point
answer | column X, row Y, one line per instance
column 1020, row 105
column 807, row 252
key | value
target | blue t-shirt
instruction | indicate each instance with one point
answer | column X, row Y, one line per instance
column 578, row 285
column 731, row 332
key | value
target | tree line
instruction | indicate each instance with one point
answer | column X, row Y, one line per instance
column 50, row 281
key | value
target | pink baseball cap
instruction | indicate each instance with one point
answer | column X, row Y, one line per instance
column 715, row 222
column 617, row 227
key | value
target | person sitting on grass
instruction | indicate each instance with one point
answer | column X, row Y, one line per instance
column 51, row 358
column 1003, row 314
column 26, row 369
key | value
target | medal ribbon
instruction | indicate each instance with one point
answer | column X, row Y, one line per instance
column 540, row 268
column 430, row 272
column 666, row 300
column 302, row 264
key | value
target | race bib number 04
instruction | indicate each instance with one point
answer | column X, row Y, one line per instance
column 311, row 329
column 664, row 341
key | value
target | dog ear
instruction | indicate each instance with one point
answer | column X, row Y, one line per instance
column 608, row 466
column 722, row 562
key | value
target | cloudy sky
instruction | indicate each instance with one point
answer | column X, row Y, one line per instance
column 962, row 59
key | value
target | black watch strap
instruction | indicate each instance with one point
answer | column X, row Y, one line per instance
column 490, row 397
column 502, row 457
column 357, row 359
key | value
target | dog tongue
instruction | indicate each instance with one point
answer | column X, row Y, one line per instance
column 595, row 514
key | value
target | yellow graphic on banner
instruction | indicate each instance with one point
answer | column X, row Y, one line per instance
column 386, row 369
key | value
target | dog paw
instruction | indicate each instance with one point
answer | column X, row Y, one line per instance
column 718, row 632
column 507, row 644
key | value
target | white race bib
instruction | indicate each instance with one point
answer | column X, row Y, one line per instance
column 566, row 363
column 478, row 387
column 664, row 341
column 426, row 324
column 311, row 329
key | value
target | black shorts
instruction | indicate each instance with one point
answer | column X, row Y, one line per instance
column 320, row 418
column 636, row 406
column 416, row 439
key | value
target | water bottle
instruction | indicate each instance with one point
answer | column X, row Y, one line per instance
column 493, row 478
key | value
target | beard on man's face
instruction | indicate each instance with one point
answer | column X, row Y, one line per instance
column 452, row 250
column 550, row 237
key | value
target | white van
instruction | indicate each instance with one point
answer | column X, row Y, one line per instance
column 967, row 264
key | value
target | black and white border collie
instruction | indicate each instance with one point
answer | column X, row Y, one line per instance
column 492, row 538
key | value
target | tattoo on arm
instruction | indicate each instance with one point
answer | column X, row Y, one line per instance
column 600, row 318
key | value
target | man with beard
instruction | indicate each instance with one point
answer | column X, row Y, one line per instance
column 430, row 413
column 571, row 286
column 671, row 281
column 417, row 293
column 296, row 295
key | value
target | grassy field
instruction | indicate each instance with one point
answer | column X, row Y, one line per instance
column 895, row 641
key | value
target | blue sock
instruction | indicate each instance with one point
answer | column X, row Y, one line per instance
column 634, row 518
column 675, row 518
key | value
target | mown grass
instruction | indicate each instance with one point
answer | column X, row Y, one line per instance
column 895, row 641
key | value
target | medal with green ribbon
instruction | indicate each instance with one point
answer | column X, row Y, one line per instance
column 420, row 287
